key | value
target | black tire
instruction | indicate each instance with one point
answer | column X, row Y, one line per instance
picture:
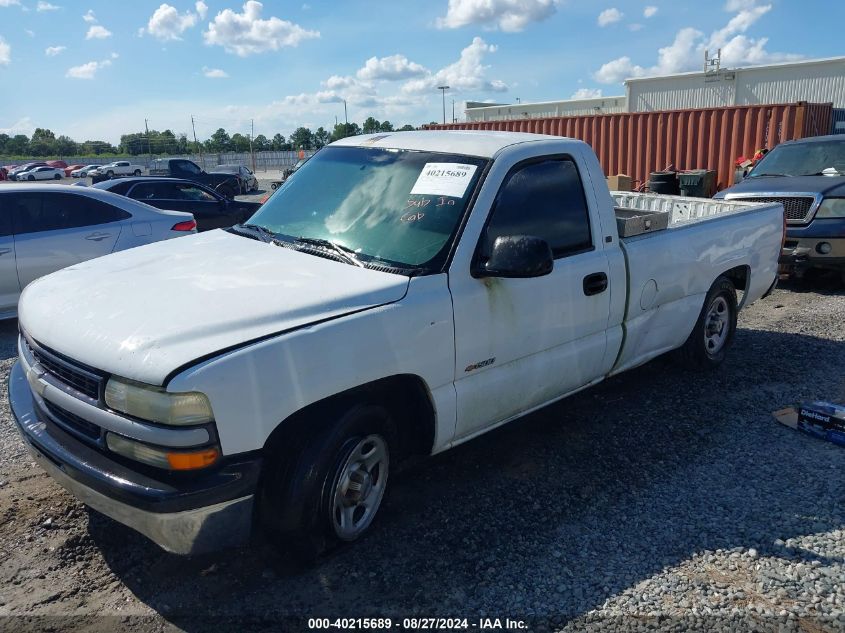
column 227, row 191
column 700, row 351
column 296, row 500
column 57, row 177
column 30, row 178
column 109, row 174
column 137, row 172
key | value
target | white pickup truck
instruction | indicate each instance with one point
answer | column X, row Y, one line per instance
column 400, row 294
column 118, row 168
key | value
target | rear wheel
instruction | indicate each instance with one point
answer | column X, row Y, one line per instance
column 325, row 488
column 137, row 172
column 57, row 177
column 713, row 333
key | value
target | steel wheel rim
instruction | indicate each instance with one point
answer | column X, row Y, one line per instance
column 359, row 487
column 716, row 325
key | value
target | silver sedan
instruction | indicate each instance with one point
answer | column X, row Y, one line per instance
column 44, row 228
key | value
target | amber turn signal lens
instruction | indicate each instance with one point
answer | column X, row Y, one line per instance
column 194, row 460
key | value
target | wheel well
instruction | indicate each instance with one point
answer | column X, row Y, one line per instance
column 405, row 396
column 739, row 277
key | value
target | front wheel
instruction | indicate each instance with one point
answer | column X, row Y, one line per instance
column 30, row 178
column 713, row 333
column 327, row 487
column 110, row 174
column 137, row 172
column 57, row 177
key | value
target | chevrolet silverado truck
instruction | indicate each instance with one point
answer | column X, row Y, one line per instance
column 808, row 177
column 116, row 169
column 400, row 294
column 227, row 185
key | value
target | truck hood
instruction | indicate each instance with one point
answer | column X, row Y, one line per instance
column 825, row 185
column 144, row 312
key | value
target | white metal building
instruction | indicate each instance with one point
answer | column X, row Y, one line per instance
column 539, row 110
column 815, row 81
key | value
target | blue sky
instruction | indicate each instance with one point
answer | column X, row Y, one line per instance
column 97, row 69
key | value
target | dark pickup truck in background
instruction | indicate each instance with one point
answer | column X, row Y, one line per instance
column 808, row 177
column 225, row 184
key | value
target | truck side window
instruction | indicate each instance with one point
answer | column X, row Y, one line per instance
column 187, row 166
column 546, row 200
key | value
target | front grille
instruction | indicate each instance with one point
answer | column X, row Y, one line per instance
column 796, row 208
column 73, row 423
column 78, row 378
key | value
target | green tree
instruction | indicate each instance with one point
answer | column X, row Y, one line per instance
column 386, row 126
column 220, row 141
column 321, row 138
column 302, row 138
column 342, row 130
column 42, row 134
column 65, row 146
column 260, row 143
column 18, row 144
column 371, row 125
column 278, row 143
column 406, row 128
column 239, row 143
column 4, row 138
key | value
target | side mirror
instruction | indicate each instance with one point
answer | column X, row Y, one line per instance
column 517, row 256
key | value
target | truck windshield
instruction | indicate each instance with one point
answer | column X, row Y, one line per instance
column 803, row 159
column 396, row 207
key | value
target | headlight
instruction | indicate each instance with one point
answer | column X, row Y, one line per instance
column 831, row 208
column 171, row 459
column 157, row 405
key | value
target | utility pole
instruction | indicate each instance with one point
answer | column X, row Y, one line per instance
column 149, row 145
column 251, row 137
column 196, row 142
column 443, row 90
column 345, row 116
column 454, row 120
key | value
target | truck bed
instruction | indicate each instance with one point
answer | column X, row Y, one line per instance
column 639, row 213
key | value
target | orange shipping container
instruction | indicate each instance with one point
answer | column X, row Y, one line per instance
column 637, row 143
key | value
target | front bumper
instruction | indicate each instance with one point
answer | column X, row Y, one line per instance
column 804, row 245
column 184, row 515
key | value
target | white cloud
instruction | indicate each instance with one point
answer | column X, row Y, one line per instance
column 5, row 53
column 89, row 17
column 609, row 16
column 214, row 73
column 201, row 8
column 29, row 32
column 586, row 93
column 468, row 73
column 635, row 26
column 166, row 23
column 507, row 15
column 390, row 68
column 21, row 126
column 97, row 32
column 686, row 51
column 45, row 6
column 650, row 11
column 246, row 33
column 9, row 3
column 87, row 71
column 52, row 51
column 336, row 82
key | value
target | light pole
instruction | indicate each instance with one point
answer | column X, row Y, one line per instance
column 443, row 90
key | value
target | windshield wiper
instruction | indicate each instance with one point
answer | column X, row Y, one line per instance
column 770, row 176
column 347, row 254
column 265, row 234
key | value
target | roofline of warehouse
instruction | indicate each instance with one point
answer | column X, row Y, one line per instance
column 541, row 103
column 803, row 62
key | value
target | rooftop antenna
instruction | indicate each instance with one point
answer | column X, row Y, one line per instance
column 712, row 65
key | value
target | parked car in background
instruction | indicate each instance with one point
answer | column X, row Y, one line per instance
column 42, row 173
column 3, row 173
column 403, row 294
column 47, row 227
column 210, row 209
column 72, row 168
column 57, row 163
column 808, row 177
column 117, row 168
column 13, row 173
column 225, row 184
column 246, row 178
column 83, row 172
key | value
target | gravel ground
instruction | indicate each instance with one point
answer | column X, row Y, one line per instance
column 659, row 499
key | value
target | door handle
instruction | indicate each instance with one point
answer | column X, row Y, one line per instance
column 595, row 283
column 96, row 237
column 3, row 251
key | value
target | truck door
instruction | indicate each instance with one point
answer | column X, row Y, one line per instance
column 10, row 288
column 521, row 343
